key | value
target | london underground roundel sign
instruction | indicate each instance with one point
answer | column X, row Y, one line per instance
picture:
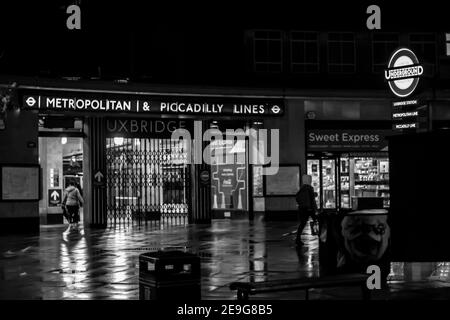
column 403, row 72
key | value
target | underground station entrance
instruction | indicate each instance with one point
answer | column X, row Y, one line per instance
column 147, row 180
column 129, row 168
column 140, row 175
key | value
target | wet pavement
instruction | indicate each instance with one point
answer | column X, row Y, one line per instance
column 103, row 264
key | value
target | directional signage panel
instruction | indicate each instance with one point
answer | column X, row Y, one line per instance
column 410, row 116
column 54, row 197
column 122, row 103
column 99, row 178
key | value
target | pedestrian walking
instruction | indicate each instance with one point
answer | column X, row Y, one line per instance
column 307, row 206
column 72, row 202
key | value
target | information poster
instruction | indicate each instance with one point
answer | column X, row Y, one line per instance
column 285, row 182
column 228, row 176
column 20, row 183
column 258, row 181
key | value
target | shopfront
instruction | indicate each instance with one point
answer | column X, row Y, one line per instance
column 118, row 149
column 349, row 167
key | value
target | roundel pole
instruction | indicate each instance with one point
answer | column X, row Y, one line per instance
column 403, row 74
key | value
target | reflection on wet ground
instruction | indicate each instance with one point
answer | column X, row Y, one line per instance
column 103, row 264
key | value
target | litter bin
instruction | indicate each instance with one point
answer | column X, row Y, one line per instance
column 328, row 244
column 173, row 275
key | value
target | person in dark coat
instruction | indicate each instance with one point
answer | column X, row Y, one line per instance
column 307, row 206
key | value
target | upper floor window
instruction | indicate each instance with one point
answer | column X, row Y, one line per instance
column 383, row 45
column 424, row 46
column 341, row 52
column 304, row 52
column 267, row 51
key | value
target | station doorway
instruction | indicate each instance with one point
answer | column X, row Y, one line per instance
column 147, row 181
column 61, row 161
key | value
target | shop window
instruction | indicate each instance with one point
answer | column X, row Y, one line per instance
column 258, row 181
column 229, row 171
column 424, row 45
column 229, row 175
column 383, row 44
column 341, row 53
column 342, row 180
column 370, row 178
column 304, row 52
column 267, row 51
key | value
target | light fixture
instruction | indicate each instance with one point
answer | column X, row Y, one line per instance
column 72, row 78
column 64, row 140
column 310, row 115
column 122, row 81
column 118, row 141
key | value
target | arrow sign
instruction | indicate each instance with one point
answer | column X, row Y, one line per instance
column 55, row 195
column 98, row 176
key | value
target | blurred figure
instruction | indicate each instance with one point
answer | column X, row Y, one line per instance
column 307, row 206
column 72, row 202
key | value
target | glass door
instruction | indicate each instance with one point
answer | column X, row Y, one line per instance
column 329, row 199
column 324, row 175
column 344, row 178
column 314, row 171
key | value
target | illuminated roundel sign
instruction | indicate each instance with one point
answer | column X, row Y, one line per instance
column 403, row 72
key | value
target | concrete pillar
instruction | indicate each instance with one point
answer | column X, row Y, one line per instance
column 291, row 127
column 200, row 193
column 95, row 213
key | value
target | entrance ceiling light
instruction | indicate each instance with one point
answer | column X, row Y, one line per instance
column 118, row 141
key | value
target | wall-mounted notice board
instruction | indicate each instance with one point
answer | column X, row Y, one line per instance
column 20, row 182
column 285, row 183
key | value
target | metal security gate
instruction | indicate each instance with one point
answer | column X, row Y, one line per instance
column 147, row 181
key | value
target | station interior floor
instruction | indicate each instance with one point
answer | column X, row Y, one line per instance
column 103, row 264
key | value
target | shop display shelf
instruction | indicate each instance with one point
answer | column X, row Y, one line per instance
column 371, row 182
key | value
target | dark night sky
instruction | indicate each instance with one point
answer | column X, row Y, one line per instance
column 116, row 33
column 315, row 14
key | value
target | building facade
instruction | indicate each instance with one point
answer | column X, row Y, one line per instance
column 76, row 112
